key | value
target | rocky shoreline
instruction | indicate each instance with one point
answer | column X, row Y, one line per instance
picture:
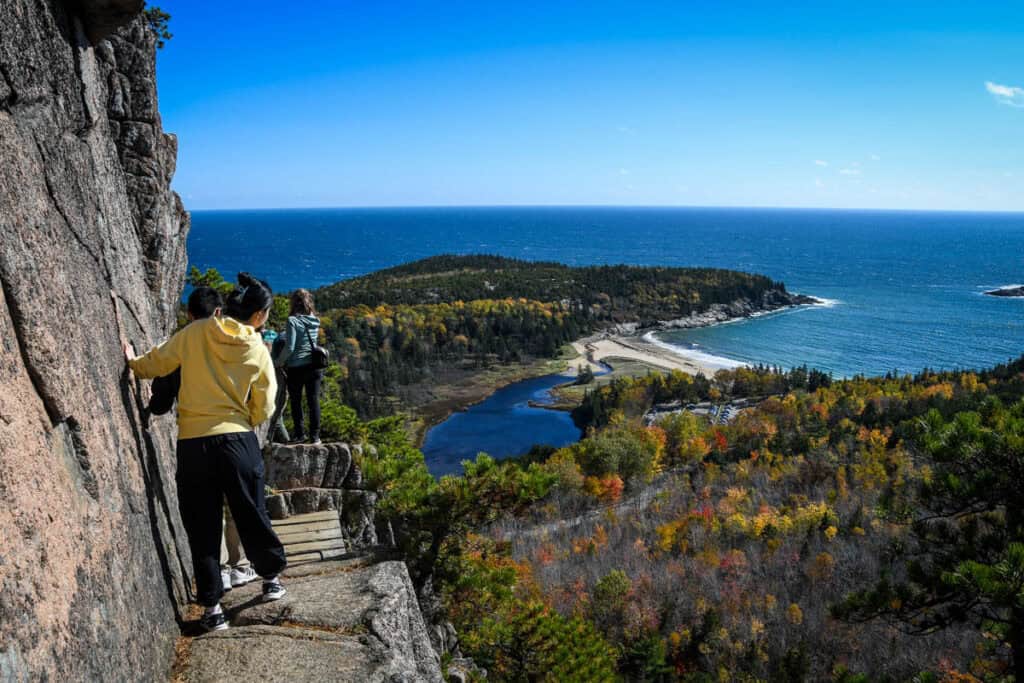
column 771, row 302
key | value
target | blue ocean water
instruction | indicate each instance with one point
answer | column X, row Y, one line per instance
column 907, row 284
column 502, row 425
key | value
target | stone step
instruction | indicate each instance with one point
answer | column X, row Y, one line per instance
column 269, row 653
column 350, row 620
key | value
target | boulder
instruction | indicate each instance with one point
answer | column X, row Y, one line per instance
column 277, row 506
column 306, row 466
column 301, row 501
column 358, row 512
column 93, row 564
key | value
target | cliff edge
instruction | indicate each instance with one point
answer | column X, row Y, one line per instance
column 93, row 564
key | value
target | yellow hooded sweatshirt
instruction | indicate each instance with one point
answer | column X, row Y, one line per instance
column 227, row 379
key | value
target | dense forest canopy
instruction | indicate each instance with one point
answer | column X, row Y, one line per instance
column 616, row 293
column 860, row 530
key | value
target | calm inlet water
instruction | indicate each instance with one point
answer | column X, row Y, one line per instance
column 906, row 285
column 502, row 425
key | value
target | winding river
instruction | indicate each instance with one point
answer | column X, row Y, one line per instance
column 502, row 425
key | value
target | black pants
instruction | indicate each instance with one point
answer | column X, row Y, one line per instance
column 305, row 378
column 210, row 469
column 277, row 432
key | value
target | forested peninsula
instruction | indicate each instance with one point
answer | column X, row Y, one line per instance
column 437, row 334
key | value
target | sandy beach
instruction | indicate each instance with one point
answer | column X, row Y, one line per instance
column 600, row 347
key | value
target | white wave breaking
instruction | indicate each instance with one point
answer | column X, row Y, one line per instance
column 691, row 354
column 721, row 362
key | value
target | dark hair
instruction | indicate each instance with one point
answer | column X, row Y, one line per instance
column 302, row 303
column 203, row 302
column 252, row 296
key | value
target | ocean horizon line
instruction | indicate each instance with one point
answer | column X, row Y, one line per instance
column 704, row 207
column 884, row 267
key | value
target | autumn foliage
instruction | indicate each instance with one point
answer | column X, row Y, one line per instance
column 727, row 547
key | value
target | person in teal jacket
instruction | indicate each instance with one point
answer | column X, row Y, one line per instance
column 296, row 357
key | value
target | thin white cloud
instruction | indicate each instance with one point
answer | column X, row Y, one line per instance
column 1006, row 94
column 819, row 162
column 875, row 157
column 850, row 171
column 818, row 183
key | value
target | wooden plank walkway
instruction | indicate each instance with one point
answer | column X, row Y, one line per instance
column 311, row 537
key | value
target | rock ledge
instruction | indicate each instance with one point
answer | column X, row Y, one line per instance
column 340, row 621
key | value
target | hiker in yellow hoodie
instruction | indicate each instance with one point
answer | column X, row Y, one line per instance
column 227, row 388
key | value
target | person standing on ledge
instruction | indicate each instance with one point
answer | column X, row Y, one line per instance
column 296, row 357
column 227, row 388
column 235, row 569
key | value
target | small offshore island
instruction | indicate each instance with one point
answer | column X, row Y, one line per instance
column 434, row 336
column 1007, row 291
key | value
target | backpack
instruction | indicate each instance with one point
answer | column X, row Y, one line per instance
column 318, row 355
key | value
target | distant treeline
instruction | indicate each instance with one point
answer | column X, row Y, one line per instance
column 596, row 293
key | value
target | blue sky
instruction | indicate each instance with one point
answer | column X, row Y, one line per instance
column 826, row 104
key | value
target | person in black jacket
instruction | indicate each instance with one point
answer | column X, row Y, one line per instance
column 277, row 432
column 202, row 303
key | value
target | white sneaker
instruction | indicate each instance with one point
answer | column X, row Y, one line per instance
column 272, row 589
column 213, row 619
column 240, row 577
column 225, row 579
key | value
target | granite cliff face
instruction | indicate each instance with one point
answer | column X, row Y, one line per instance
column 93, row 559
column 94, row 564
